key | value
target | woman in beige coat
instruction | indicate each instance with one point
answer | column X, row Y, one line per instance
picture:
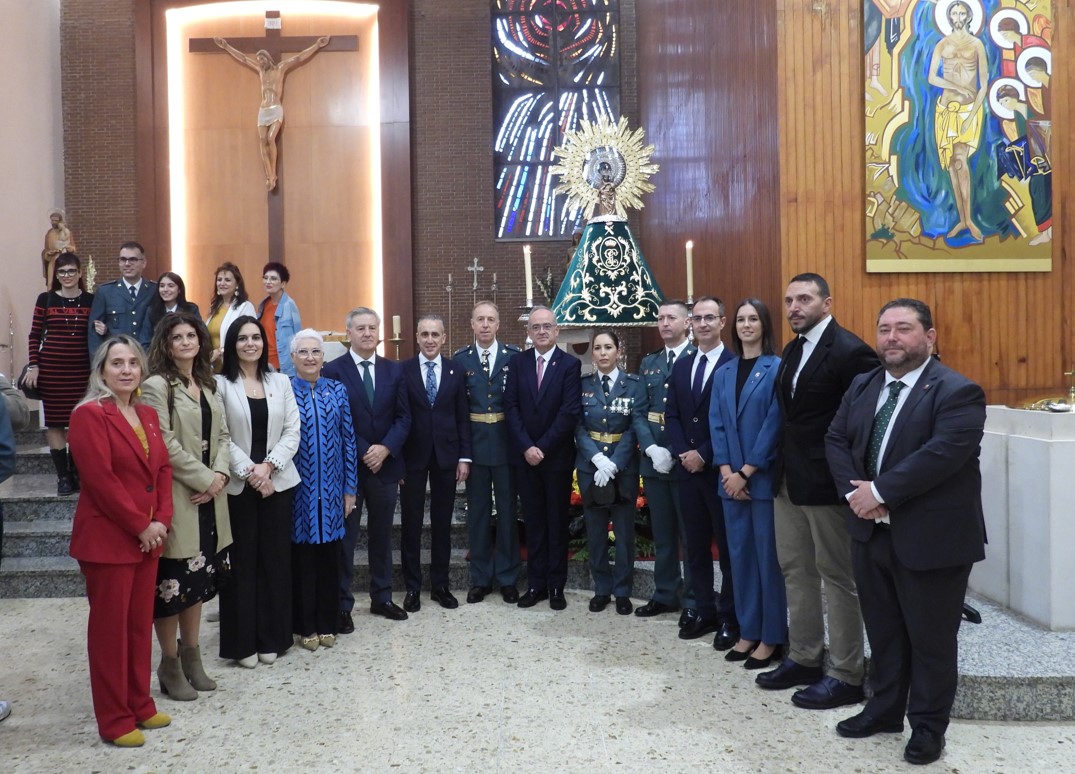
column 183, row 392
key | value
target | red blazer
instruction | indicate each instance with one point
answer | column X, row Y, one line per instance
column 120, row 487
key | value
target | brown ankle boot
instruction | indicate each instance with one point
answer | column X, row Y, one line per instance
column 191, row 658
column 172, row 681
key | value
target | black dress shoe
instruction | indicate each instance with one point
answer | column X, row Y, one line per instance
column 556, row 599
column 826, row 693
column 700, row 626
column 346, row 624
column 624, row 606
column 510, row 594
column 477, row 593
column 532, row 597
column 389, row 610
column 862, row 725
column 727, row 636
column 412, row 603
column 760, row 663
column 599, row 602
column 687, row 616
column 925, row 746
column 788, row 675
column 444, row 598
column 740, row 655
column 653, row 608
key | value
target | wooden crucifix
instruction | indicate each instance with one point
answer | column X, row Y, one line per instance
column 265, row 56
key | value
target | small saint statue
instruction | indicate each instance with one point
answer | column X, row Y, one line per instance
column 58, row 239
column 271, row 113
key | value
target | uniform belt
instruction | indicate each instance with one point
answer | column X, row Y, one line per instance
column 606, row 437
column 655, row 416
column 487, row 419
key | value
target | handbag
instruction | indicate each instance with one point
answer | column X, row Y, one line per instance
column 30, row 392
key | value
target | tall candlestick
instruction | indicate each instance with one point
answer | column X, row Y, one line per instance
column 397, row 325
column 690, row 269
column 529, row 276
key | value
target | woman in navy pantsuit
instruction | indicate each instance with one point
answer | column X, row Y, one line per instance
column 745, row 423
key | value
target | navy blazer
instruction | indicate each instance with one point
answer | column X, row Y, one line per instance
column 929, row 478
column 387, row 421
column 687, row 421
column 837, row 359
column 747, row 431
column 122, row 314
column 489, row 440
column 440, row 435
column 543, row 418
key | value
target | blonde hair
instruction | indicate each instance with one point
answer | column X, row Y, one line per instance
column 98, row 390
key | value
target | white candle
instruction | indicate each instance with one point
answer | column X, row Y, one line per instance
column 690, row 269
column 529, row 275
column 397, row 326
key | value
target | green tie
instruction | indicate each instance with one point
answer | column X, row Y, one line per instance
column 367, row 380
column 880, row 425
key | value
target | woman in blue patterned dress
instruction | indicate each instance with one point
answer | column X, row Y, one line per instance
column 327, row 461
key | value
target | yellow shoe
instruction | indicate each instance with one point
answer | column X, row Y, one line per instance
column 160, row 720
column 130, row 739
column 328, row 640
column 310, row 643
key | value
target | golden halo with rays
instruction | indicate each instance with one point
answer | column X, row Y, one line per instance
column 597, row 142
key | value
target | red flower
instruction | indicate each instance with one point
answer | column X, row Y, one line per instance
column 576, row 498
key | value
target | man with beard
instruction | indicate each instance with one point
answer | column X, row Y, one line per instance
column 904, row 450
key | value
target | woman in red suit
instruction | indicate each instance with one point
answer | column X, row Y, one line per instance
column 120, row 525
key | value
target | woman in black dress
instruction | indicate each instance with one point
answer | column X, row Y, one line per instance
column 184, row 394
column 171, row 297
column 59, row 360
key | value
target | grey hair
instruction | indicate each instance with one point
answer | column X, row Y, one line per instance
column 98, row 390
column 306, row 333
column 358, row 311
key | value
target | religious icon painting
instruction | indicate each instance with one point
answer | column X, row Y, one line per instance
column 958, row 135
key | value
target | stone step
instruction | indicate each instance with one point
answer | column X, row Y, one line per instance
column 59, row 576
column 51, row 537
column 33, row 459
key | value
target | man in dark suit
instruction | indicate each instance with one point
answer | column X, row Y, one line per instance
column 541, row 402
column 657, row 463
column 122, row 306
column 687, row 417
column 485, row 363
column 437, row 451
column 381, row 414
column 812, row 543
column 904, row 449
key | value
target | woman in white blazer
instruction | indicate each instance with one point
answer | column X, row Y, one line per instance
column 230, row 302
column 263, row 419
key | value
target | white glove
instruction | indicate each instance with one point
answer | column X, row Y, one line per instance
column 600, row 478
column 599, row 460
column 662, row 458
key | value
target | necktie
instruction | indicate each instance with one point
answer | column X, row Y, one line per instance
column 604, row 384
column 699, row 377
column 540, row 370
column 485, row 361
column 367, row 380
column 431, row 383
column 791, row 364
column 880, row 425
column 671, row 359
column 134, row 292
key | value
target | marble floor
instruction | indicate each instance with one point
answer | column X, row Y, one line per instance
column 485, row 688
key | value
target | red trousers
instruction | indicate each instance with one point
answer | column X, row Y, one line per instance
column 119, row 642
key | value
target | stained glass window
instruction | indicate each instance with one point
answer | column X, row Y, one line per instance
column 555, row 62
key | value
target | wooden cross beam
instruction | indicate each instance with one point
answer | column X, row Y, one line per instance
column 276, row 44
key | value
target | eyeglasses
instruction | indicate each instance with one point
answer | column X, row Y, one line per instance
column 542, row 326
column 66, row 272
column 305, row 353
column 129, row 259
column 708, row 319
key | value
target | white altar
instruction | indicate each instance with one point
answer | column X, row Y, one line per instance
column 1028, row 491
